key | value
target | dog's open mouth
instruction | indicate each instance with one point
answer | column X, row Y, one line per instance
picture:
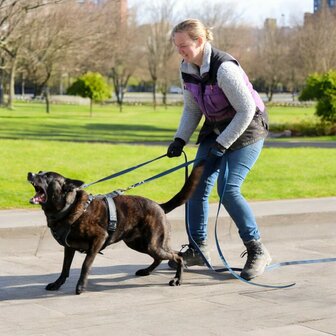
column 40, row 196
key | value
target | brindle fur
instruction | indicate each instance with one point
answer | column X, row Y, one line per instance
column 142, row 223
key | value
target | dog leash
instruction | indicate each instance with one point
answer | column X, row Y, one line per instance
column 226, row 264
column 233, row 269
column 166, row 172
column 122, row 172
column 152, row 178
column 300, row 262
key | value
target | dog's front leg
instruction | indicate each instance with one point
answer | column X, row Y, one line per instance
column 81, row 284
column 88, row 261
column 68, row 257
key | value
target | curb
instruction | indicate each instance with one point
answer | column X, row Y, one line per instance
column 25, row 231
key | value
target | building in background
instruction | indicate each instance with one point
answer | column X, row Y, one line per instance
column 318, row 4
column 321, row 7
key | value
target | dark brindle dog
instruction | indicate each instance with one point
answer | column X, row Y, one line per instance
column 80, row 222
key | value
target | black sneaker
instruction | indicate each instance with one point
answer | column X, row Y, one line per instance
column 191, row 257
column 257, row 259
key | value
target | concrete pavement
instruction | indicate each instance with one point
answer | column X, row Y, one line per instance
column 118, row 303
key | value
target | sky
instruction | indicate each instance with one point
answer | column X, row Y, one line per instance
column 255, row 12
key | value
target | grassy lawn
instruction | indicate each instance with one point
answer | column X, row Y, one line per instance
column 134, row 124
column 63, row 141
column 286, row 114
column 73, row 123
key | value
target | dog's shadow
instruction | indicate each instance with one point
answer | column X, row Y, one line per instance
column 27, row 287
column 121, row 277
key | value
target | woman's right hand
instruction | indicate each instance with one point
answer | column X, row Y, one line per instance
column 175, row 148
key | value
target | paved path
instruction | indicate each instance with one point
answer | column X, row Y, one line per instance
column 118, row 303
column 297, row 143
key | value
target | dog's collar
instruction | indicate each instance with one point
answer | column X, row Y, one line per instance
column 76, row 216
column 70, row 200
column 61, row 232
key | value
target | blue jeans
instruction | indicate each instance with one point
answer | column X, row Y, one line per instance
column 239, row 163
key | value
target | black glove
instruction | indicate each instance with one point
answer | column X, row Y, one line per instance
column 216, row 150
column 175, row 148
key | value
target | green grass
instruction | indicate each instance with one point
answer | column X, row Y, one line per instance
column 134, row 124
column 70, row 142
column 286, row 114
column 278, row 174
column 73, row 123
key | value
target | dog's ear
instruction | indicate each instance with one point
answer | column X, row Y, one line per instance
column 72, row 184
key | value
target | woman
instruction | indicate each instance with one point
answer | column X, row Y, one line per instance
column 216, row 87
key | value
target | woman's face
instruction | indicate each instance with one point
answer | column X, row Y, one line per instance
column 190, row 50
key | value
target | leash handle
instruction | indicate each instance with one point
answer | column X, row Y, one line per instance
column 122, row 172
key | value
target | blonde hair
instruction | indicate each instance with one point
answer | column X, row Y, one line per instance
column 194, row 28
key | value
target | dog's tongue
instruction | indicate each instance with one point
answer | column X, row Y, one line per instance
column 38, row 198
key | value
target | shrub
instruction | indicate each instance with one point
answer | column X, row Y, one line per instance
column 91, row 85
column 322, row 87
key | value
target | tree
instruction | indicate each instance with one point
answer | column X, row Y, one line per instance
column 54, row 37
column 316, row 42
column 159, row 46
column 13, row 17
column 272, row 56
column 116, row 50
column 322, row 87
column 91, row 85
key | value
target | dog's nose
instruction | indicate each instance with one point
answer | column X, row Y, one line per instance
column 30, row 176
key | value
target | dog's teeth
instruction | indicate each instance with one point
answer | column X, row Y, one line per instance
column 33, row 201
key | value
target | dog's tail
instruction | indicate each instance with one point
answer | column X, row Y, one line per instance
column 187, row 190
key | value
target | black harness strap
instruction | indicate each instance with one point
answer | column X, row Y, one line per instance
column 112, row 216
column 112, row 211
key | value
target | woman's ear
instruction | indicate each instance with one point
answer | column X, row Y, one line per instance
column 200, row 41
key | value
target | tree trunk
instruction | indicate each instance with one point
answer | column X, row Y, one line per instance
column 47, row 98
column 154, row 94
column 11, row 93
column 1, row 93
column 91, row 107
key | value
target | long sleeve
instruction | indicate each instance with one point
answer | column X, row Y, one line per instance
column 190, row 118
column 230, row 79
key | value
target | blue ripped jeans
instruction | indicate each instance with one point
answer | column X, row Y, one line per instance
column 239, row 163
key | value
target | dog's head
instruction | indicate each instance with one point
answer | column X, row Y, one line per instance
column 53, row 190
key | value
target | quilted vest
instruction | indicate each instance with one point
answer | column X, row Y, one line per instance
column 216, row 107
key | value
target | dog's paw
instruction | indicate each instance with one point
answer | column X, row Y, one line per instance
column 80, row 289
column 54, row 286
column 175, row 282
column 142, row 272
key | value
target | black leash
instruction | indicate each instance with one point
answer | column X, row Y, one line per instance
column 152, row 178
column 122, row 172
column 227, row 266
column 166, row 172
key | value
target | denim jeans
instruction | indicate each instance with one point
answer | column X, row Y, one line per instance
column 239, row 163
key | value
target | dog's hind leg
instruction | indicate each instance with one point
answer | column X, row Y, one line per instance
column 68, row 257
column 177, row 281
column 161, row 254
